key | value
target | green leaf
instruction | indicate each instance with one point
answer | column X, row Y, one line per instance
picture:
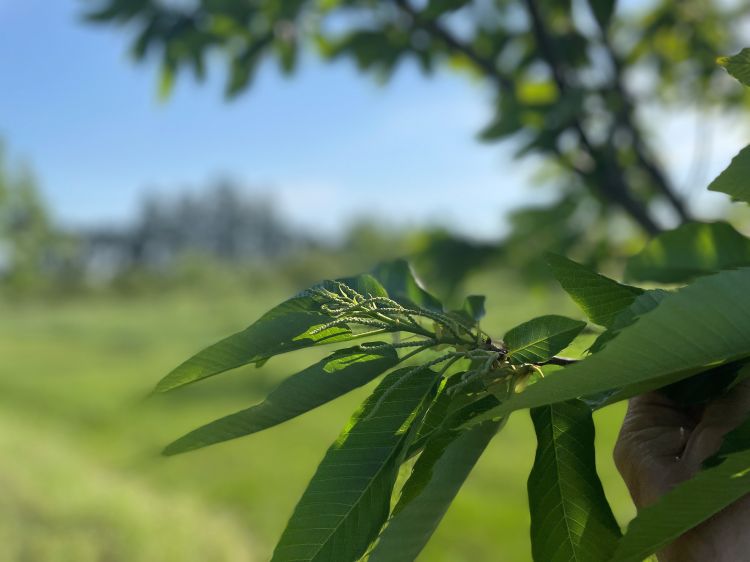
column 684, row 507
column 434, row 482
column 166, row 80
column 402, row 286
column 602, row 10
column 734, row 180
column 600, row 298
column 644, row 303
column 337, row 374
column 738, row 65
column 682, row 336
column 285, row 328
column 538, row 340
column 689, row 251
column 570, row 516
column 348, row 498
column 436, row 8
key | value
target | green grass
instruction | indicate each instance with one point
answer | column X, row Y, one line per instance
column 80, row 474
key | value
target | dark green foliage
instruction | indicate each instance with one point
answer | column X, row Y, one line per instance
column 602, row 299
column 570, row 516
column 643, row 303
column 685, row 506
column 652, row 352
column 434, row 482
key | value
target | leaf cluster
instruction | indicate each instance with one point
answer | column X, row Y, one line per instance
column 448, row 387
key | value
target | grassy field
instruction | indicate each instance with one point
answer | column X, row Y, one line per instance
column 80, row 474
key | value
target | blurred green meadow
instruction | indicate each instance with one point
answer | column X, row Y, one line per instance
column 81, row 477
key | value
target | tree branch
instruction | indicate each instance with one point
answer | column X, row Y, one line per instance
column 616, row 188
column 486, row 65
column 627, row 118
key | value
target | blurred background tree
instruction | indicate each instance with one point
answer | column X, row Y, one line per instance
column 34, row 255
column 569, row 78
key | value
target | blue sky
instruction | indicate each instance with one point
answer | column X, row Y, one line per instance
column 328, row 144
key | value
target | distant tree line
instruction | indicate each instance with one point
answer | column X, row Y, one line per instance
column 222, row 222
column 220, row 225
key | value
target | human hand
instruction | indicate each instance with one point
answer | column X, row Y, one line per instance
column 662, row 444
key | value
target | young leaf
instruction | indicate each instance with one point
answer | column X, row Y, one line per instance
column 681, row 337
column 738, row 65
column 289, row 326
column 330, row 378
column 434, row 482
column 684, row 507
column 538, row 340
column 734, row 180
column 689, row 251
column 402, row 286
column 600, row 298
column 348, row 498
column 570, row 516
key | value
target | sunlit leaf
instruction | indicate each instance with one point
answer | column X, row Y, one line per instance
column 570, row 516
column 290, row 326
column 348, row 499
column 600, row 298
column 433, row 484
column 330, row 378
column 734, row 180
column 538, row 340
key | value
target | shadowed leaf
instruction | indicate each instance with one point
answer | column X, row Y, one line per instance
column 434, row 482
column 684, row 507
column 330, row 378
column 679, row 338
column 348, row 499
column 600, row 298
column 540, row 339
column 570, row 516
